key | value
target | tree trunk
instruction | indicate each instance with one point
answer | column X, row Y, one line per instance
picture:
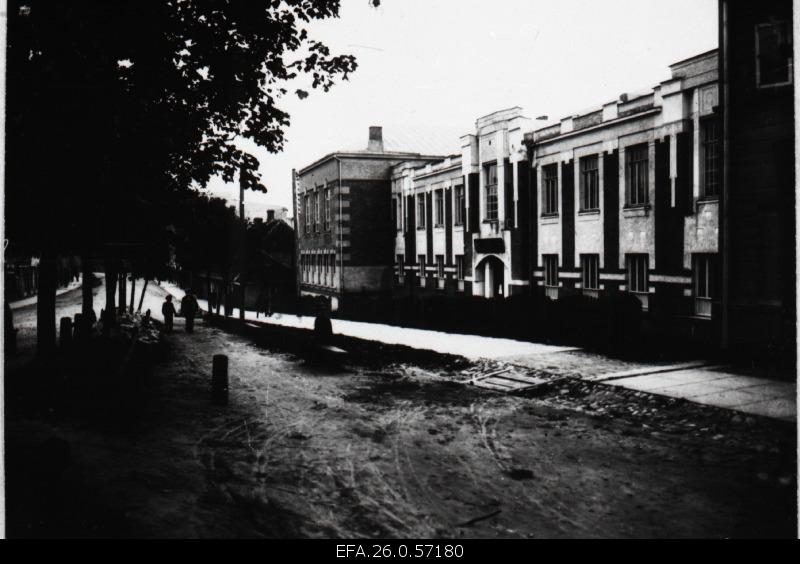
column 46, row 305
column 144, row 291
column 110, row 312
column 208, row 294
column 123, row 301
column 87, row 304
column 133, row 292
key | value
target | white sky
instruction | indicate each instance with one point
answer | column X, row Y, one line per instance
column 447, row 62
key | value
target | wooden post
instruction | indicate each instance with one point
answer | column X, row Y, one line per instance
column 219, row 380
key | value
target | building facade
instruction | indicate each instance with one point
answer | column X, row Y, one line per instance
column 678, row 195
column 628, row 196
column 758, row 194
column 343, row 204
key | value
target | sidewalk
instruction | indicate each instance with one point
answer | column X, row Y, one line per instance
column 697, row 381
column 32, row 299
column 473, row 347
column 717, row 386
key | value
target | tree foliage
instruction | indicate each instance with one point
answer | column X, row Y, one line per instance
column 115, row 109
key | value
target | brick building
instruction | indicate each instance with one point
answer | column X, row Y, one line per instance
column 758, row 188
column 343, row 210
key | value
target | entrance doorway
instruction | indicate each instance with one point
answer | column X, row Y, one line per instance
column 491, row 272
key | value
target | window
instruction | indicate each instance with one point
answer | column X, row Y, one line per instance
column 438, row 196
column 327, row 209
column 637, row 274
column 636, row 170
column 460, row 267
column 590, row 184
column 333, row 267
column 307, row 212
column 703, row 274
column 590, row 272
column 774, row 53
column 400, row 264
column 316, row 210
column 711, row 157
column 550, row 270
column 461, row 205
column 421, row 264
column 491, row 191
column 421, row 211
column 440, row 266
column 550, row 189
column 324, row 269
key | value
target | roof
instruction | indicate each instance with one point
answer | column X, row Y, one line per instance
column 402, row 141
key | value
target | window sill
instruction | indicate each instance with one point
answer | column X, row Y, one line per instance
column 420, row 228
column 638, row 210
column 592, row 211
column 489, row 221
column 708, row 200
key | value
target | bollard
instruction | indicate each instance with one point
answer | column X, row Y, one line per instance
column 65, row 332
column 219, row 380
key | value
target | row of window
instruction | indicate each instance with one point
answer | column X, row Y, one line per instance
column 311, row 210
column 637, row 163
column 439, row 259
column 637, row 276
column 438, row 209
column 318, row 268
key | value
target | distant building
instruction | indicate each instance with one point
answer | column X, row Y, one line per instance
column 758, row 188
column 342, row 218
column 254, row 211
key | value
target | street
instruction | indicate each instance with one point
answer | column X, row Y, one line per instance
column 399, row 449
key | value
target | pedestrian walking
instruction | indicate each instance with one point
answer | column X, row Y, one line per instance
column 189, row 308
column 168, row 311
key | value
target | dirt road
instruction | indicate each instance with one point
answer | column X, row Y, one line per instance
column 407, row 451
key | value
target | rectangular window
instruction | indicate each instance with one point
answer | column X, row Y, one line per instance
column 550, row 189
column 421, row 266
column 307, row 213
column 703, row 282
column 711, row 157
column 421, row 211
column 590, row 184
column 438, row 197
column 400, row 264
column 637, row 274
column 333, row 267
column 327, row 209
column 395, row 216
column 774, row 64
column 440, row 266
column 636, row 173
column 550, row 270
column 490, row 175
column 399, row 213
column 460, row 267
column 590, row 272
column 461, row 204
column 316, row 210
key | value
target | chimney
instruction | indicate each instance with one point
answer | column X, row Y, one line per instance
column 375, row 139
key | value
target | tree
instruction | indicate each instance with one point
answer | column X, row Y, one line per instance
column 116, row 109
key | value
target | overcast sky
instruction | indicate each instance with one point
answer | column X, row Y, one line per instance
column 448, row 62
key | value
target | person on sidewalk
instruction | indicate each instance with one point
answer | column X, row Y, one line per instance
column 168, row 311
column 189, row 308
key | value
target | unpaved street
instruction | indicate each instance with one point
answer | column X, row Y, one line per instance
column 399, row 450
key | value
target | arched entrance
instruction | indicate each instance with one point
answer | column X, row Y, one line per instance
column 490, row 276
